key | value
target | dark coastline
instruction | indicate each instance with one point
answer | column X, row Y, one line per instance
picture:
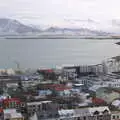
column 118, row 43
column 62, row 37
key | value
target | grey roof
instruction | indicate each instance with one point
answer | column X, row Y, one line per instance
column 82, row 112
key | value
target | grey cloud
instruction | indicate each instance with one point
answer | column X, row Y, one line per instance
column 56, row 10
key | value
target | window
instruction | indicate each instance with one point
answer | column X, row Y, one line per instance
column 96, row 113
column 84, row 118
column 78, row 118
column 34, row 106
column 113, row 117
column 44, row 106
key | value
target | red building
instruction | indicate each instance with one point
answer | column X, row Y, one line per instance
column 11, row 103
column 1, row 114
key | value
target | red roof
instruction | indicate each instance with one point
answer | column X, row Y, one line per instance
column 62, row 88
column 17, row 100
column 1, row 110
column 97, row 101
column 58, row 87
column 47, row 70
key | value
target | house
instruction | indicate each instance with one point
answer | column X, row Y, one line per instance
column 93, row 113
column 12, row 114
column 63, row 91
column 77, row 87
column 33, row 107
column 50, row 113
column 87, row 113
column 82, row 113
column 58, row 89
column 42, row 109
column 115, row 115
column 11, row 103
column 100, row 113
column 44, row 92
column 31, row 80
column 66, row 114
column 116, row 103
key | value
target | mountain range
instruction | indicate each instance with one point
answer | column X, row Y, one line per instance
column 76, row 31
column 14, row 27
column 9, row 26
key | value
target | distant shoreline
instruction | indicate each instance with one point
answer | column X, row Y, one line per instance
column 59, row 37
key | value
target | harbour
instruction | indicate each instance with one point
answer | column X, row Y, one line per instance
column 35, row 53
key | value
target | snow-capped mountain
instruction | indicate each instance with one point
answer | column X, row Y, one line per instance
column 108, row 26
column 76, row 31
column 81, row 27
column 10, row 26
column 69, row 27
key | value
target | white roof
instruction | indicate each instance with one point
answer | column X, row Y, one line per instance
column 68, row 65
column 12, row 113
column 9, row 111
column 65, row 112
column 38, row 103
column 83, row 111
column 82, row 104
column 78, row 84
column 116, row 103
column 16, row 115
column 100, row 109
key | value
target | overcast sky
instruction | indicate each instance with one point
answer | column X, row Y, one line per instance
column 55, row 11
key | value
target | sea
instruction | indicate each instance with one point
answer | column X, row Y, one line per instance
column 49, row 53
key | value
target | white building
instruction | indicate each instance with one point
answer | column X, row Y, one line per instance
column 93, row 113
column 115, row 83
column 115, row 115
column 33, row 107
column 12, row 114
column 7, row 71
